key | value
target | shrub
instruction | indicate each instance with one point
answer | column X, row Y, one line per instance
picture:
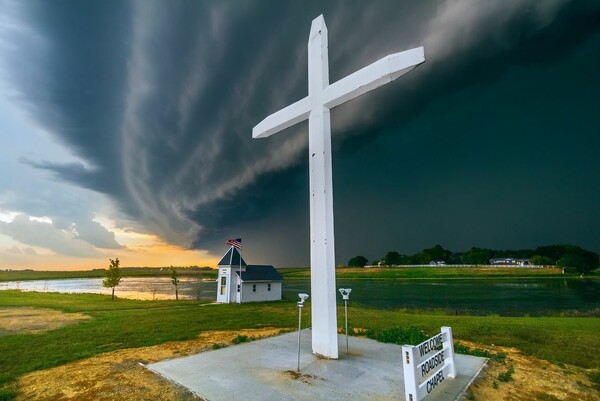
column 397, row 335
column 595, row 378
column 240, row 339
column 498, row 357
column 506, row 376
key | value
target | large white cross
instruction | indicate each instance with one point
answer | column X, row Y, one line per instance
column 322, row 97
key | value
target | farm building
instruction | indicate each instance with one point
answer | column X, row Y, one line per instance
column 509, row 262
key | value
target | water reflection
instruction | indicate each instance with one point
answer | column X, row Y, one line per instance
column 479, row 297
column 535, row 297
column 145, row 288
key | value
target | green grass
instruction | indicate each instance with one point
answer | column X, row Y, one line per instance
column 7, row 394
column 128, row 323
column 595, row 378
column 304, row 273
column 121, row 324
column 348, row 273
column 430, row 273
column 25, row 275
column 557, row 339
column 397, row 335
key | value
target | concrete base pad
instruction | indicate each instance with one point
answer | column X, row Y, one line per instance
column 267, row 370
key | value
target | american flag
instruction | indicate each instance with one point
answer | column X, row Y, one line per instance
column 237, row 243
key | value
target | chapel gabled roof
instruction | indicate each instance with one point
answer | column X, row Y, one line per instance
column 260, row 273
column 231, row 258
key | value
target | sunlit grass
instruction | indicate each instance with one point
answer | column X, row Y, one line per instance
column 25, row 275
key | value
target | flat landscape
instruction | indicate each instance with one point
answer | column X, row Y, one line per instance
column 448, row 272
column 145, row 139
column 95, row 345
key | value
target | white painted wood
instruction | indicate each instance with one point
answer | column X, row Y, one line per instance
column 223, row 291
column 409, row 368
column 261, row 293
column 449, row 340
column 284, row 118
column 373, row 76
column 428, row 364
column 322, row 97
column 362, row 81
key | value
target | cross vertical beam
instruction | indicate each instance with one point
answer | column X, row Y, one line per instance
column 321, row 97
column 322, row 255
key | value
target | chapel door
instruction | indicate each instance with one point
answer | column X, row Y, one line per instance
column 223, row 289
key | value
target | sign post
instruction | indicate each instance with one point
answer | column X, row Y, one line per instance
column 303, row 297
column 428, row 364
column 346, row 296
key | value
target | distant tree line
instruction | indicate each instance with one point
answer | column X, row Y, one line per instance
column 560, row 255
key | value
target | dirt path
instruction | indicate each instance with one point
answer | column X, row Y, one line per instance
column 35, row 320
column 522, row 377
column 120, row 375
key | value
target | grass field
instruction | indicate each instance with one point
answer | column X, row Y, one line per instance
column 432, row 272
column 304, row 273
column 127, row 324
column 23, row 275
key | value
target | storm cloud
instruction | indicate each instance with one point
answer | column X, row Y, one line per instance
column 487, row 144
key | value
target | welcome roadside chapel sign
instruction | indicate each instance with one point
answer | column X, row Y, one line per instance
column 315, row 107
column 428, row 364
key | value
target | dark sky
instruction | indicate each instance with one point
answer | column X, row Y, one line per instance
column 493, row 142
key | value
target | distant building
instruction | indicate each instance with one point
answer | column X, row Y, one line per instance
column 437, row 263
column 257, row 282
column 509, row 262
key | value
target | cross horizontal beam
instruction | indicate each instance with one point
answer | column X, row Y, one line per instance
column 358, row 83
column 372, row 76
column 282, row 119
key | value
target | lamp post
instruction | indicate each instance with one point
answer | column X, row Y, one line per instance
column 303, row 297
column 346, row 296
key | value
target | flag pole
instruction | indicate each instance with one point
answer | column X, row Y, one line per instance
column 241, row 285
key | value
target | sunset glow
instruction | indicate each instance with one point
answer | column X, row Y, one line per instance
column 127, row 130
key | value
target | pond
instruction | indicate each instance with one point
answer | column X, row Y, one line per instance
column 149, row 288
column 506, row 297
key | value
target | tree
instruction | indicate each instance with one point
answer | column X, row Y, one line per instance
column 553, row 252
column 392, row 258
column 437, row 253
column 577, row 257
column 175, row 282
column 113, row 276
column 540, row 260
column 357, row 261
column 477, row 256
